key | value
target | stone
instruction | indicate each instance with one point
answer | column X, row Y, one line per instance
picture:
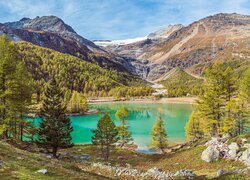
column 247, row 145
column 43, row 171
column 225, row 137
column 243, row 140
column 221, row 172
column 1, row 163
column 245, row 158
column 210, row 154
column 49, row 156
column 233, row 146
column 232, row 154
column 19, row 158
column 79, row 150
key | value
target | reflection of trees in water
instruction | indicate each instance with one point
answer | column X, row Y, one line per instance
column 135, row 112
column 142, row 114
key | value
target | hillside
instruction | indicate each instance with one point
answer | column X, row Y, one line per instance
column 51, row 32
column 72, row 72
column 180, row 83
column 218, row 37
column 22, row 164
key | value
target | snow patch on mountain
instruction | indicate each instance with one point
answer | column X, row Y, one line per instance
column 118, row 42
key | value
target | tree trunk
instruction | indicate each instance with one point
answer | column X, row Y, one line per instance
column 54, row 151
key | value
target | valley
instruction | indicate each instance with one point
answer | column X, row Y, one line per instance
column 173, row 104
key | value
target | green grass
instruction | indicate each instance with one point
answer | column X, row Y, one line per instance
column 69, row 168
column 26, row 167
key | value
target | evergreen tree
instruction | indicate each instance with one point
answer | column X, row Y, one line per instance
column 123, row 130
column 193, row 127
column 78, row 103
column 210, row 103
column 243, row 111
column 12, row 101
column 55, row 127
column 105, row 135
column 159, row 134
column 21, row 96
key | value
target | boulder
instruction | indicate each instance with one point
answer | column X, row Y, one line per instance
column 233, row 146
column 245, row 157
column 247, row 145
column 1, row 163
column 232, row 154
column 221, row 172
column 185, row 173
column 43, row 171
column 210, row 154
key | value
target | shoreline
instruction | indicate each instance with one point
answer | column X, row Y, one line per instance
column 186, row 100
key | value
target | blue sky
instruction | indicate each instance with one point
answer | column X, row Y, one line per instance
column 120, row 19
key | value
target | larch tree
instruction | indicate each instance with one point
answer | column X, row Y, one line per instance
column 193, row 127
column 77, row 103
column 105, row 135
column 123, row 129
column 55, row 127
column 15, row 90
column 159, row 135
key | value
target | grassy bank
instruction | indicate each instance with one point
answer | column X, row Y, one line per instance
column 20, row 164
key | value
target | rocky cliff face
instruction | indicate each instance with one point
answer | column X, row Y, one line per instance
column 51, row 32
column 53, row 24
column 218, row 37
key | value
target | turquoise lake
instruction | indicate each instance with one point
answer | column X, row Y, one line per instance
column 141, row 119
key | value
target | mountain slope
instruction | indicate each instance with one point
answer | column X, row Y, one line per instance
column 73, row 73
column 135, row 48
column 218, row 37
column 53, row 24
column 51, row 32
column 180, row 83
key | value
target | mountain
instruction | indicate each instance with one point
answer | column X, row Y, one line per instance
column 180, row 83
column 219, row 37
column 53, row 24
column 134, row 48
column 51, row 32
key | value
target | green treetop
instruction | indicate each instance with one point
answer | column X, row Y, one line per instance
column 55, row 128
column 159, row 134
column 105, row 135
column 123, row 129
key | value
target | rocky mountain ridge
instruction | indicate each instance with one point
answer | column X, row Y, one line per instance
column 218, row 37
column 51, row 32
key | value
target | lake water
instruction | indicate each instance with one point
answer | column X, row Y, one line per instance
column 141, row 119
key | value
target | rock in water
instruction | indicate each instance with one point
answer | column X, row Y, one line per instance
column 210, row 154
column 43, row 171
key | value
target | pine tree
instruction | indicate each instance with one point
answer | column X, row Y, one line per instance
column 123, row 130
column 243, row 111
column 230, row 96
column 210, row 103
column 8, row 63
column 22, row 88
column 55, row 127
column 105, row 135
column 78, row 103
column 193, row 127
column 159, row 134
